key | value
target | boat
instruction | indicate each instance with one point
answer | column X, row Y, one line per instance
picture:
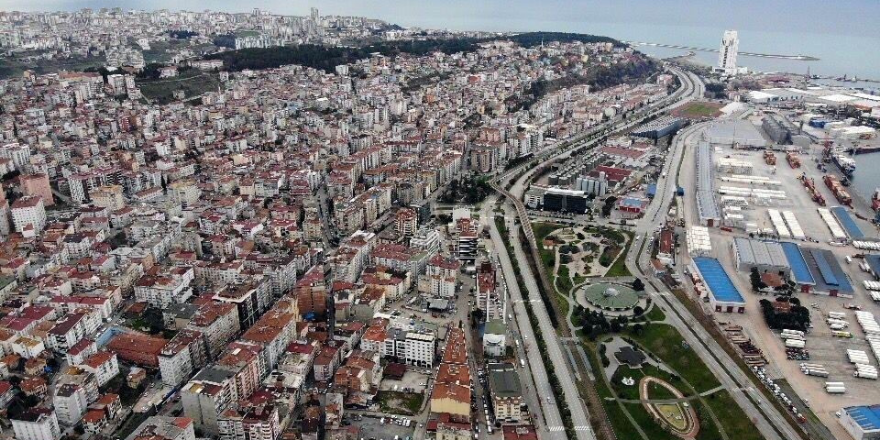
column 875, row 200
column 846, row 164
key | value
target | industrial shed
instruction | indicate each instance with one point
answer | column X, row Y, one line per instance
column 723, row 294
column 707, row 206
column 849, row 225
column 861, row 422
column 767, row 256
column 826, row 271
column 800, row 272
column 736, row 133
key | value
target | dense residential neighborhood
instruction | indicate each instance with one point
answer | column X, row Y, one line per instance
column 271, row 257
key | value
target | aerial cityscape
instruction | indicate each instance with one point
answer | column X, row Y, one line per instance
column 263, row 226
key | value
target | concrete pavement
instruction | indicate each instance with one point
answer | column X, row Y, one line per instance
column 768, row 420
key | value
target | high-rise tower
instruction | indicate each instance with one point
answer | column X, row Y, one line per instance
column 727, row 52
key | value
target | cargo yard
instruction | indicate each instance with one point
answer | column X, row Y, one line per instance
column 781, row 213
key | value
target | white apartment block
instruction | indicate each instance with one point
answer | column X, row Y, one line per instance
column 420, row 349
column 104, row 365
column 37, row 424
column 70, row 403
column 162, row 291
column 29, row 215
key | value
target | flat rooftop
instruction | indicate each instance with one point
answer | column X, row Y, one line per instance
column 849, row 225
column 799, row 268
column 718, row 281
column 826, row 270
column 868, row 417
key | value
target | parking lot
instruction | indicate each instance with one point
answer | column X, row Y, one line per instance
column 373, row 428
column 414, row 380
column 824, row 349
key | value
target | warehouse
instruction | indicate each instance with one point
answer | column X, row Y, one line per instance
column 723, row 295
column 826, row 271
column 767, row 256
column 736, row 133
column 849, row 225
column 658, row 128
column 800, row 272
column 861, row 422
column 707, row 206
column 873, row 262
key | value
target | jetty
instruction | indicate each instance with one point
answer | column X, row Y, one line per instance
column 706, row 49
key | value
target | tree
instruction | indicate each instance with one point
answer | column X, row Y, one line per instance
column 637, row 329
column 757, row 283
column 638, row 310
column 638, row 285
column 477, row 316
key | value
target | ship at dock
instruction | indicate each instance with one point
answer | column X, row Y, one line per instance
column 846, row 164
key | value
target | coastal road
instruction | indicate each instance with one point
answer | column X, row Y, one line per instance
column 769, row 421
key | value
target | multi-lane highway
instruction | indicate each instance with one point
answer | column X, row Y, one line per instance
column 553, row 428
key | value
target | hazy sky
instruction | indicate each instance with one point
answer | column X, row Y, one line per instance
column 845, row 17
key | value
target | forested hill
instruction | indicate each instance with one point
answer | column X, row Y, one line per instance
column 327, row 58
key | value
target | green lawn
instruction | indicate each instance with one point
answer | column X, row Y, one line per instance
column 618, row 269
column 665, row 342
column 621, row 425
column 659, row 392
column 12, row 67
column 632, row 392
column 697, row 110
column 732, row 417
column 653, row 429
column 192, row 82
column 625, row 391
column 542, row 230
column 563, row 281
column 398, row 402
column 655, row 314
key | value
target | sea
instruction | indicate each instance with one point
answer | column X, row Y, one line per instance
column 843, row 35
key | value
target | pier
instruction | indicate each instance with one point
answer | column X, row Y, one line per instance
column 747, row 54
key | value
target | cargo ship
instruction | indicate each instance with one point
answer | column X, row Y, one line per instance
column 846, row 164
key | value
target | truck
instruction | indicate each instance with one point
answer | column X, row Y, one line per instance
column 866, row 375
column 798, row 337
column 795, row 343
column 835, row 389
column 836, row 326
column 816, row 373
column 792, row 332
column 836, row 315
column 841, row 334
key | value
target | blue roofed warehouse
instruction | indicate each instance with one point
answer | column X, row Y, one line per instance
column 861, row 422
column 723, row 294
